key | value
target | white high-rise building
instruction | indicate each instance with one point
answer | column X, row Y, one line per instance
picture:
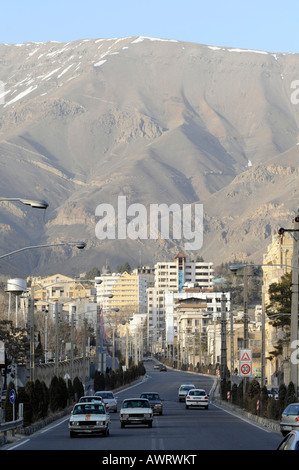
column 172, row 277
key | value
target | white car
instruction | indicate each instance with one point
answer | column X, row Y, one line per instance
column 183, row 390
column 197, row 397
column 88, row 418
column 136, row 411
column 109, row 399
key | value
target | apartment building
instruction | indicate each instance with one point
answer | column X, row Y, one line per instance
column 279, row 261
column 128, row 292
column 71, row 296
column 172, row 277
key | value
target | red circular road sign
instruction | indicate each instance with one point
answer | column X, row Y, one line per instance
column 245, row 369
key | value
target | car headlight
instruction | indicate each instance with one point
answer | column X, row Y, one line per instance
column 147, row 415
column 100, row 423
column 74, row 423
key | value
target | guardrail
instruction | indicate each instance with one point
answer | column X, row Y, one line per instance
column 9, row 426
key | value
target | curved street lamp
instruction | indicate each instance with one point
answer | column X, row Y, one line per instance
column 28, row 202
column 79, row 245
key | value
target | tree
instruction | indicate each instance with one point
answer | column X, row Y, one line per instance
column 54, row 394
column 280, row 298
column 94, row 272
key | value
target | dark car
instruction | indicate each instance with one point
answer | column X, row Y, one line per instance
column 154, row 400
column 163, row 368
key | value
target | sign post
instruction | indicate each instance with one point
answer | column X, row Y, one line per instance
column 245, row 362
column 12, row 399
column 245, row 367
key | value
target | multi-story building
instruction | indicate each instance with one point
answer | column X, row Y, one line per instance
column 211, row 299
column 70, row 295
column 127, row 291
column 279, row 261
column 172, row 277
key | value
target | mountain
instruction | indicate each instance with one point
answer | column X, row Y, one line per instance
column 157, row 121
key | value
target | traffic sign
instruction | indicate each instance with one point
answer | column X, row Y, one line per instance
column 246, row 362
column 12, row 396
column 246, row 369
column 245, row 355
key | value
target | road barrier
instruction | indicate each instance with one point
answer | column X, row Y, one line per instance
column 9, row 426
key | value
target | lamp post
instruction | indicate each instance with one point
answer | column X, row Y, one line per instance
column 294, row 303
column 28, row 202
column 80, row 246
column 294, row 311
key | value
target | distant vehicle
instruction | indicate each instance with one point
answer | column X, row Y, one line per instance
column 88, row 418
column 157, row 366
column 109, row 399
column 136, row 411
column 290, row 442
column 197, row 397
column 289, row 420
column 183, row 390
column 154, row 400
column 147, row 358
column 163, row 368
column 272, row 393
column 90, row 399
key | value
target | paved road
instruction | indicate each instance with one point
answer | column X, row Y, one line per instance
column 177, row 429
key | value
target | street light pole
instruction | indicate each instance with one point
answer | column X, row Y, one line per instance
column 28, row 202
column 294, row 304
column 223, row 340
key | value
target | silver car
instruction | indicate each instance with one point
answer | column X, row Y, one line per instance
column 109, row 400
column 136, row 411
column 183, row 390
column 290, row 442
column 289, row 419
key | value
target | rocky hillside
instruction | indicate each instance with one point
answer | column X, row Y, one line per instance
column 156, row 121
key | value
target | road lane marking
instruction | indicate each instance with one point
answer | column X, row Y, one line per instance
column 248, row 421
column 18, row 445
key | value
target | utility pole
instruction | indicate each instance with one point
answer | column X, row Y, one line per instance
column 31, row 329
column 294, row 304
column 56, row 310
column 223, row 340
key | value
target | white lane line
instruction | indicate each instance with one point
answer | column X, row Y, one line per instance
column 18, row 445
column 243, row 419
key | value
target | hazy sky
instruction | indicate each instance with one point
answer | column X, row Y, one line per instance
column 262, row 25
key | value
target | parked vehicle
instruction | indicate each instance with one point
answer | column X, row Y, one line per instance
column 88, row 418
column 289, row 420
column 272, row 393
column 136, row 411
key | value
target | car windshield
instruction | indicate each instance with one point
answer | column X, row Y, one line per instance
column 292, row 410
column 187, row 387
column 135, row 404
column 90, row 399
column 198, row 393
column 89, row 408
column 106, row 395
column 151, row 396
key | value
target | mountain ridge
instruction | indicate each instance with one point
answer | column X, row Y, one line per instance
column 159, row 121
